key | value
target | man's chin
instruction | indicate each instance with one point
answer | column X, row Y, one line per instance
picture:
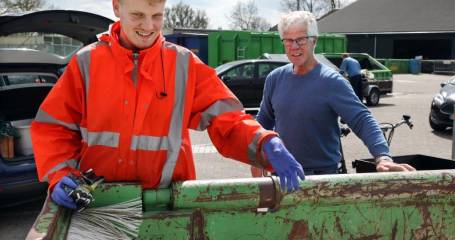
column 142, row 45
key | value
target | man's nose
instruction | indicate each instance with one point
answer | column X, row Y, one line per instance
column 295, row 45
column 148, row 24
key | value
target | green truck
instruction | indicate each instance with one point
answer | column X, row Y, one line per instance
column 412, row 205
column 377, row 78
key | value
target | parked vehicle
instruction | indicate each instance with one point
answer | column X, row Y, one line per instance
column 442, row 106
column 246, row 78
column 34, row 50
column 377, row 79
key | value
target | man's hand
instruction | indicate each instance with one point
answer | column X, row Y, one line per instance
column 285, row 165
column 386, row 164
column 60, row 195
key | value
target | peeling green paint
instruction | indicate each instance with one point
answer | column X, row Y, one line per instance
column 416, row 205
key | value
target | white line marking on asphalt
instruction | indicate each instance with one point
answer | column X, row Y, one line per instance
column 203, row 148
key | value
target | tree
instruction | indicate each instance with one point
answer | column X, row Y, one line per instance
column 317, row 7
column 182, row 15
column 245, row 16
column 19, row 6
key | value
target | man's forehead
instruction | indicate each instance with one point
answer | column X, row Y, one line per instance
column 295, row 29
column 150, row 2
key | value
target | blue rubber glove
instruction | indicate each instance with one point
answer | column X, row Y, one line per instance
column 60, row 196
column 285, row 165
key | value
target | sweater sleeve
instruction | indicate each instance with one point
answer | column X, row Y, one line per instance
column 345, row 103
column 266, row 116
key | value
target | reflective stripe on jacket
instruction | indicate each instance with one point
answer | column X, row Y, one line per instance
column 107, row 112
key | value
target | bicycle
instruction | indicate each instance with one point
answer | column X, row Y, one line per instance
column 385, row 127
column 388, row 130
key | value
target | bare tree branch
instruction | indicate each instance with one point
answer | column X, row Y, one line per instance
column 183, row 16
column 18, row 6
column 245, row 16
column 317, row 7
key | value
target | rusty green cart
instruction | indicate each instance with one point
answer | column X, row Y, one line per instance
column 413, row 205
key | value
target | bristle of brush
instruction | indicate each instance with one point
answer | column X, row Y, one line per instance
column 116, row 221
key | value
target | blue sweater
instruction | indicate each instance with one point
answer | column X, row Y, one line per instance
column 350, row 66
column 304, row 110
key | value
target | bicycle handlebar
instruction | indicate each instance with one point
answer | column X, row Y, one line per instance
column 389, row 126
column 385, row 127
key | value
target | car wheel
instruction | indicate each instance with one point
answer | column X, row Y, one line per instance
column 373, row 98
column 436, row 127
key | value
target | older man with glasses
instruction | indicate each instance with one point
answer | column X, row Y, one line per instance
column 303, row 100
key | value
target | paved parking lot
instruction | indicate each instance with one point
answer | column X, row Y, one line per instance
column 412, row 95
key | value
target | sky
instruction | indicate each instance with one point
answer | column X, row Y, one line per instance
column 217, row 12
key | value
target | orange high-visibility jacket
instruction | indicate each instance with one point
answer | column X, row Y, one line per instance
column 126, row 115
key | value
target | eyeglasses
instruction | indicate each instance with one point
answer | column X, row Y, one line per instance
column 300, row 41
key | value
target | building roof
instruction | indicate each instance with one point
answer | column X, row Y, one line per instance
column 391, row 16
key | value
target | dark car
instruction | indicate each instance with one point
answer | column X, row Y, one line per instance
column 442, row 106
column 245, row 78
column 34, row 50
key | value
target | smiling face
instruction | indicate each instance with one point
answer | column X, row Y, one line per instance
column 141, row 21
column 299, row 51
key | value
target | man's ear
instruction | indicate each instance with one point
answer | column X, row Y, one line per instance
column 116, row 7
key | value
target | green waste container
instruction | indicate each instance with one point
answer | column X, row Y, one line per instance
column 331, row 43
column 227, row 46
column 397, row 65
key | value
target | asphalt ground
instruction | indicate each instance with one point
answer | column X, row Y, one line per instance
column 412, row 95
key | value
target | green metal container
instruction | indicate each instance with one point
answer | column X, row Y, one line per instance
column 331, row 43
column 396, row 65
column 380, row 71
column 412, row 205
column 227, row 46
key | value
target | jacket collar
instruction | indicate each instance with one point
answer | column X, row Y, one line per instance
column 124, row 53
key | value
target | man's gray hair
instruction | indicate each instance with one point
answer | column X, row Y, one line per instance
column 298, row 18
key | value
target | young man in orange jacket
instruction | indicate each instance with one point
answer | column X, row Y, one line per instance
column 124, row 105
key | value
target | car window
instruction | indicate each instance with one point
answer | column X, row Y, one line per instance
column 27, row 78
column 265, row 68
column 223, row 67
column 50, row 43
column 241, row 72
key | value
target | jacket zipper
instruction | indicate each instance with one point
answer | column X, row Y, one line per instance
column 135, row 69
column 134, row 76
